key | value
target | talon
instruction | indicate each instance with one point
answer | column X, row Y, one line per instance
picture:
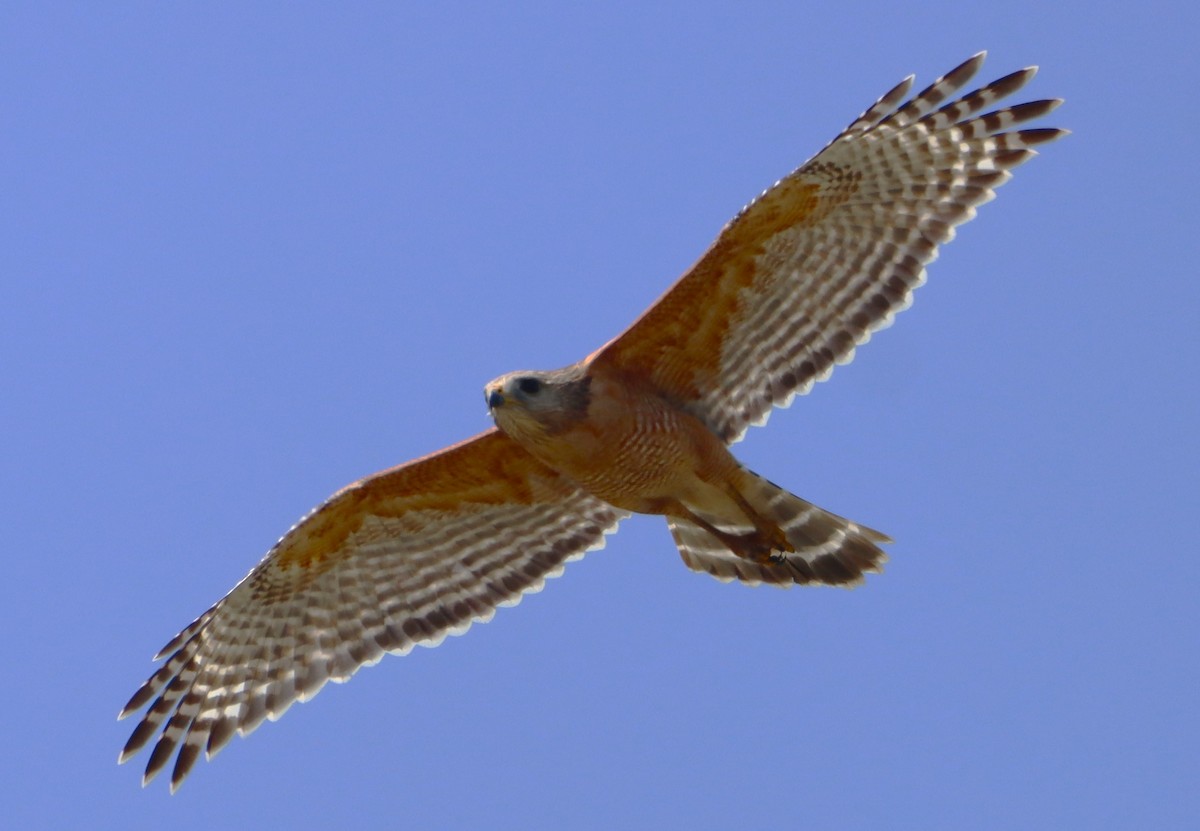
column 776, row 547
column 766, row 551
column 781, row 545
column 751, row 547
column 765, row 545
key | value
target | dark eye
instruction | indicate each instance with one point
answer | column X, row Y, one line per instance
column 529, row 386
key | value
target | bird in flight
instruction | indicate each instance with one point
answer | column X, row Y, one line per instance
column 792, row 284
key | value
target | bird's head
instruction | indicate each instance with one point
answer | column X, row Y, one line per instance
column 532, row 405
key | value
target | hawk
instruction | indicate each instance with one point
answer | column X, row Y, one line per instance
column 799, row 278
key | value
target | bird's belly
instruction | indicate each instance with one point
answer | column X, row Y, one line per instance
column 637, row 475
column 655, row 466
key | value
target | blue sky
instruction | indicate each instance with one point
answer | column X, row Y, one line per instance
column 251, row 253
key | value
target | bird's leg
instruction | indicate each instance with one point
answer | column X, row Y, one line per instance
column 759, row 546
column 768, row 530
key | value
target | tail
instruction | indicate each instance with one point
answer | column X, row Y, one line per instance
column 830, row 549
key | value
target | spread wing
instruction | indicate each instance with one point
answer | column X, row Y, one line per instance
column 404, row 557
column 830, row 253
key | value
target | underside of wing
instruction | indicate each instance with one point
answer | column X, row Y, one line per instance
column 830, row 253
column 402, row 558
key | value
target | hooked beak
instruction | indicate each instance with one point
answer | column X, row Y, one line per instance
column 495, row 399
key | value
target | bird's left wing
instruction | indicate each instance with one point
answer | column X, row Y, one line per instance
column 404, row 557
column 827, row 255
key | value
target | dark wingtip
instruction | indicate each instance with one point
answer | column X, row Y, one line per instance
column 1042, row 135
column 137, row 701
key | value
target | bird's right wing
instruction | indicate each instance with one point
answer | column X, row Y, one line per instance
column 404, row 557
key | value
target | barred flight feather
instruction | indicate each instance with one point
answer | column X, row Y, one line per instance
column 799, row 279
column 829, row 549
column 402, row 578
column 828, row 255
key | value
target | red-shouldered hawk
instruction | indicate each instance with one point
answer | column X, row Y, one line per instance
column 791, row 286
